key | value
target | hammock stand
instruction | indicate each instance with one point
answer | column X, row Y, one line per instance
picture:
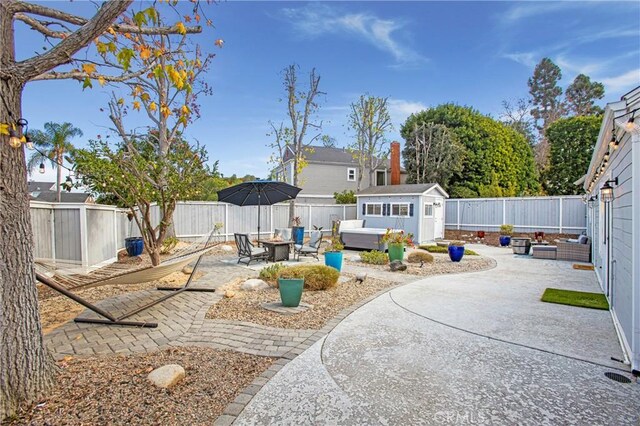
column 129, row 277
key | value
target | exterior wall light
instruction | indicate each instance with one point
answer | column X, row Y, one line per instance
column 606, row 192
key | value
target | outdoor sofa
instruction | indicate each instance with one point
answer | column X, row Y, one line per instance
column 578, row 249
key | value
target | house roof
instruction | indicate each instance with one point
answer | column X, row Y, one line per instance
column 46, row 192
column 323, row 154
column 404, row 189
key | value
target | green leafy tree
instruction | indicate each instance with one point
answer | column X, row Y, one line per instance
column 572, row 141
column 53, row 143
column 345, row 197
column 370, row 120
column 547, row 103
column 432, row 153
column 582, row 94
column 138, row 175
column 494, row 155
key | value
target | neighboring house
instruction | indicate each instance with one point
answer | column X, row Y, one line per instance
column 331, row 170
column 613, row 223
column 415, row 208
column 47, row 193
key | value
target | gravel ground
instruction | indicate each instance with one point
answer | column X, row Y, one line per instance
column 245, row 305
column 114, row 390
column 441, row 265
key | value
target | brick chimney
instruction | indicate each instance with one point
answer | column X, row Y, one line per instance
column 395, row 163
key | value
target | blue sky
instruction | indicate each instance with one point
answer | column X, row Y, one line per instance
column 419, row 54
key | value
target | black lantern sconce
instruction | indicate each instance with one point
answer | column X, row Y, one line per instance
column 606, row 192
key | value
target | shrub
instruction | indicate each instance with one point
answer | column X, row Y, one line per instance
column 374, row 257
column 316, row 277
column 506, row 230
column 168, row 244
column 438, row 249
column 419, row 256
column 270, row 273
column 457, row 243
column 345, row 197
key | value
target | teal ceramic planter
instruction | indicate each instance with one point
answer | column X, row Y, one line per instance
column 333, row 259
column 290, row 291
column 396, row 251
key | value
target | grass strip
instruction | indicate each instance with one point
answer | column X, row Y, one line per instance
column 575, row 298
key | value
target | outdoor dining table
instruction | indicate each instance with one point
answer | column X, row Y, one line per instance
column 278, row 250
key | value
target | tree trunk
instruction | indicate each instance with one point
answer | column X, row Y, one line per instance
column 59, row 159
column 26, row 369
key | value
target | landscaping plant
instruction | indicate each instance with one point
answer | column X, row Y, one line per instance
column 444, row 250
column 419, row 257
column 270, row 273
column 399, row 237
column 316, row 277
column 374, row 257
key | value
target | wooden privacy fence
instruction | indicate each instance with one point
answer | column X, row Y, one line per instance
column 91, row 234
column 566, row 214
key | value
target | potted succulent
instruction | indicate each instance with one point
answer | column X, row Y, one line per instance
column 456, row 250
column 396, row 242
column 297, row 231
column 506, row 231
column 290, row 284
column 333, row 255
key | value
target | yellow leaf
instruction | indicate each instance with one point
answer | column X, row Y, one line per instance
column 153, row 106
column 219, row 42
column 136, row 105
column 144, row 97
column 4, row 129
column 89, row 68
column 120, row 101
column 145, row 53
column 101, row 80
column 181, row 28
column 185, row 110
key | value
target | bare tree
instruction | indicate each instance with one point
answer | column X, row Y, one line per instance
column 26, row 369
column 517, row 116
column 292, row 142
column 370, row 120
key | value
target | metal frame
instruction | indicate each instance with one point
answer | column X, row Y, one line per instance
column 244, row 250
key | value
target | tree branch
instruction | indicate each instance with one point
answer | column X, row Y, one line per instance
column 79, row 75
column 40, row 26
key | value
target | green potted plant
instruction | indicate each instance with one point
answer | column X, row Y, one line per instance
column 506, row 231
column 297, row 231
column 456, row 250
column 290, row 284
column 396, row 242
column 333, row 255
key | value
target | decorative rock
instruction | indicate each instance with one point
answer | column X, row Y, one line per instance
column 355, row 259
column 254, row 284
column 361, row 276
column 397, row 265
column 187, row 270
column 225, row 247
column 343, row 279
column 167, row 375
column 229, row 294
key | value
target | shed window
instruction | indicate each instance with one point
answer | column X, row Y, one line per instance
column 374, row 209
column 351, row 174
column 400, row 209
column 428, row 210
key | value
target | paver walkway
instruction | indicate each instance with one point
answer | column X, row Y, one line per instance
column 476, row 348
column 181, row 321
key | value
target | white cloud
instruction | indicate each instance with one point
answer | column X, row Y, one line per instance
column 401, row 109
column 622, row 82
column 316, row 20
column 523, row 10
column 528, row 59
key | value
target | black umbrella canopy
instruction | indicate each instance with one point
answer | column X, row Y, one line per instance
column 258, row 193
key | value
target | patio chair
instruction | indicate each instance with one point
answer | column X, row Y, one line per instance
column 246, row 250
column 578, row 250
column 283, row 233
column 309, row 249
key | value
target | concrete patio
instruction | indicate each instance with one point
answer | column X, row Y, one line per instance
column 476, row 348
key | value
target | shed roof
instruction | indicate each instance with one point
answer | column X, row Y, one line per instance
column 404, row 189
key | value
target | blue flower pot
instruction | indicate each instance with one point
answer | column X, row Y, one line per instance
column 298, row 234
column 505, row 240
column 134, row 246
column 456, row 253
column 333, row 259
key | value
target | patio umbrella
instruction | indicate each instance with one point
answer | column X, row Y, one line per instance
column 258, row 193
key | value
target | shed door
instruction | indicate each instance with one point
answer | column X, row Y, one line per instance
column 427, row 222
column 438, row 218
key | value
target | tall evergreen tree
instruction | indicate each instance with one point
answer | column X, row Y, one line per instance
column 546, row 99
column 582, row 94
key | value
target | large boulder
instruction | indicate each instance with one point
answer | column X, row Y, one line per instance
column 167, row 375
column 254, row 284
column 226, row 248
column 397, row 265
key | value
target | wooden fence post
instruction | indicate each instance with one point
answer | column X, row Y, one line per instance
column 458, row 214
column 560, row 221
column 84, row 237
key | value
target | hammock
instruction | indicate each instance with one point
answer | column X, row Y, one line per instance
column 66, row 280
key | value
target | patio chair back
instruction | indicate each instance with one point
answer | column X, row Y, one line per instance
column 243, row 244
column 283, row 233
column 315, row 238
